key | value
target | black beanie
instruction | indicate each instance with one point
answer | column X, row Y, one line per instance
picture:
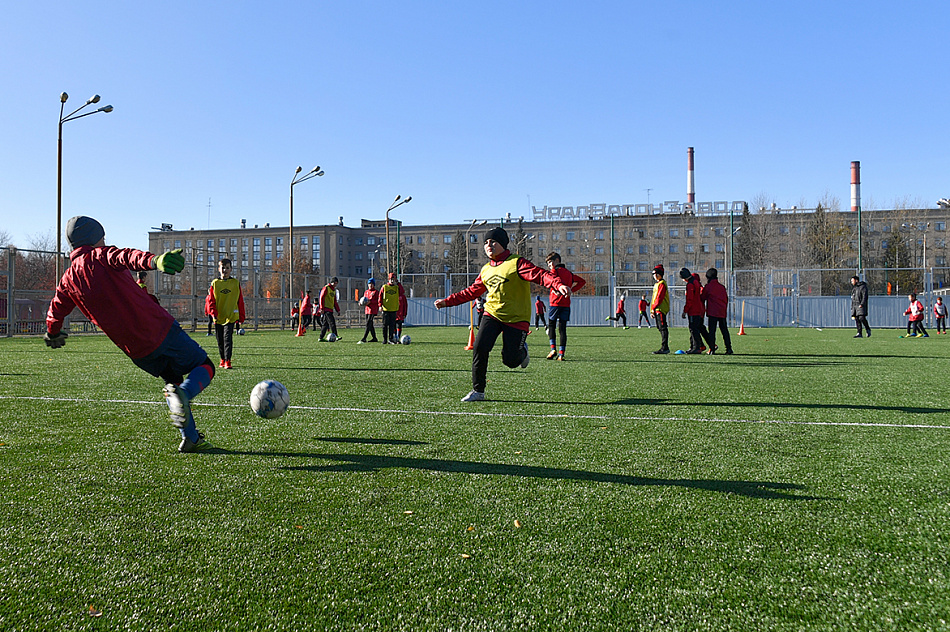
column 83, row 231
column 498, row 234
column 684, row 274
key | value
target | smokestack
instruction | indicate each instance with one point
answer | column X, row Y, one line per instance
column 690, row 179
column 855, row 185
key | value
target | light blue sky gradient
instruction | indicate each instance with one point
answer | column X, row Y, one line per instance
column 473, row 109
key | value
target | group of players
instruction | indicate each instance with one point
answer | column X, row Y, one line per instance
column 389, row 299
column 98, row 283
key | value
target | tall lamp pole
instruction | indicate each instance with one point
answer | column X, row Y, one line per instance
column 297, row 179
column 72, row 116
column 468, row 256
column 399, row 201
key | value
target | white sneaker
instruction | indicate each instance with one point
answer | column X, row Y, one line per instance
column 474, row 396
column 361, row 342
column 527, row 358
column 179, row 407
column 639, row 326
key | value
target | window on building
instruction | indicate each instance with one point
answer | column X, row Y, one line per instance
column 719, row 232
column 689, row 232
column 598, row 266
column 599, row 250
column 940, row 261
column 658, row 234
column 657, row 249
column 690, row 248
column 446, row 239
column 570, row 252
column 644, row 249
column 358, row 256
column 674, row 248
column 674, row 232
column 371, row 241
column 599, row 234
column 358, row 241
column 629, row 250
column 473, row 238
column 570, row 235
column 720, row 247
column 940, row 226
column 642, row 265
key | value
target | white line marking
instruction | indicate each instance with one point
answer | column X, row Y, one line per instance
column 473, row 413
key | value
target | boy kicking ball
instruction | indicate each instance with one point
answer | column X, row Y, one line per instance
column 507, row 279
column 99, row 284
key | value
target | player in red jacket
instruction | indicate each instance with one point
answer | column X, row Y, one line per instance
column 98, row 283
column 693, row 312
column 560, row 311
column 716, row 299
column 370, row 302
column 643, row 306
column 621, row 313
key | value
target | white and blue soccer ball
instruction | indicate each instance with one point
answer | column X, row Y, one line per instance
column 405, row 339
column 364, row 301
column 269, row 399
column 241, row 331
column 332, row 337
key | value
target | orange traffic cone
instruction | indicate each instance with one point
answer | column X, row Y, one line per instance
column 742, row 321
column 301, row 330
column 471, row 339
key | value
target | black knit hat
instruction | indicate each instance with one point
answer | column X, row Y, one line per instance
column 684, row 273
column 83, row 231
column 498, row 234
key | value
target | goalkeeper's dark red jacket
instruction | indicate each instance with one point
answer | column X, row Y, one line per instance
column 99, row 284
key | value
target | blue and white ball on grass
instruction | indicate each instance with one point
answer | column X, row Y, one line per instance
column 405, row 340
column 269, row 399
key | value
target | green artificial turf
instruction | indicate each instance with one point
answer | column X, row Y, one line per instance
column 801, row 484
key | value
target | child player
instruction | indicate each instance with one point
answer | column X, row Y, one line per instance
column 227, row 307
column 643, row 306
column 621, row 313
column 328, row 304
column 539, row 308
column 401, row 316
column 507, row 279
column 560, row 311
column 389, row 296
column 915, row 318
column 98, row 283
column 371, row 307
column 940, row 313
column 660, row 306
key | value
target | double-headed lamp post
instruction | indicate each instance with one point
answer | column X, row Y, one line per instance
column 468, row 265
column 297, row 179
column 72, row 116
column 399, row 201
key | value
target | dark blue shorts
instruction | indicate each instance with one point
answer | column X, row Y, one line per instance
column 559, row 313
column 178, row 353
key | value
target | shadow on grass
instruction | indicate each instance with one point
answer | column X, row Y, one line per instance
column 372, row 463
column 916, row 410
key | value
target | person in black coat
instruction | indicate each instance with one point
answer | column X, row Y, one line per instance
column 859, row 305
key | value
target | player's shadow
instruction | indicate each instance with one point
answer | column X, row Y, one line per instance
column 767, row 490
column 916, row 410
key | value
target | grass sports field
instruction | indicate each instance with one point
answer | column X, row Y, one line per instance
column 801, row 484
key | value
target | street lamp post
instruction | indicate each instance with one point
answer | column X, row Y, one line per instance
column 297, row 179
column 399, row 201
column 468, row 264
column 72, row 116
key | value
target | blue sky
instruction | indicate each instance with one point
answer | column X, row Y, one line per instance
column 473, row 109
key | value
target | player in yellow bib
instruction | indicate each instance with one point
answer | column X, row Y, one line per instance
column 226, row 304
column 506, row 280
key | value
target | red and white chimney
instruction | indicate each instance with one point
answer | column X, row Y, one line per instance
column 855, row 185
column 690, row 178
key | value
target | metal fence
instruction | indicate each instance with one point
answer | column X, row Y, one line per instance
column 759, row 298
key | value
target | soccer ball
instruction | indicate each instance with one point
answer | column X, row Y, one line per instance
column 364, row 301
column 405, row 340
column 331, row 337
column 241, row 331
column 269, row 399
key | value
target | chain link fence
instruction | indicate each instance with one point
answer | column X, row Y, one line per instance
column 758, row 298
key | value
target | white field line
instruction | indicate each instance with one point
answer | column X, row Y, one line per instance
column 474, row 413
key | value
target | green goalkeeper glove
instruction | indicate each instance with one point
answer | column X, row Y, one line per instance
column 55, row 340
column 170, row 262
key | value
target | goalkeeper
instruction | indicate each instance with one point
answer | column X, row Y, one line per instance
column 99, row 284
